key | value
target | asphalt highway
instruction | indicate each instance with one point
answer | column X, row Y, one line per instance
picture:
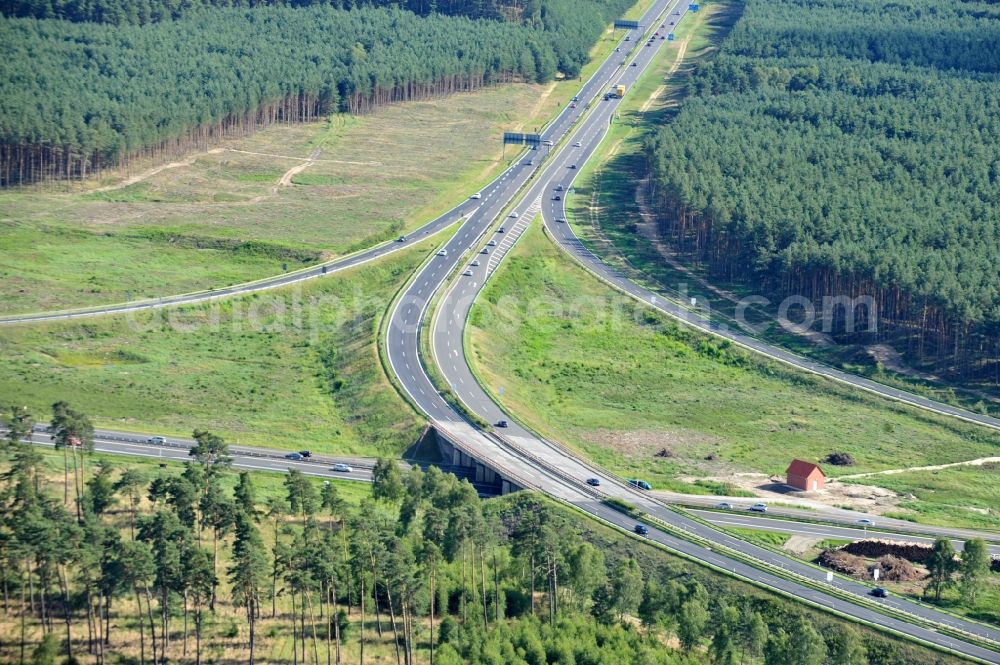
column 567, row 238
column 519, row 454
column 330, row 267
column 828, row 515
column 244, row 457
column 524, row 457
column 756, row 521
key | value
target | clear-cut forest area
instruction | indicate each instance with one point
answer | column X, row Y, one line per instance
column 80, row 97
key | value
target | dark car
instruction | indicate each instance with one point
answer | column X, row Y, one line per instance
column 557, row 198
column 293, row 456
column 641, row 529
column 879, row 592
column 501, row 423
column 641, row 484
column 305, row 453
column 634, row 64
column 594, row 482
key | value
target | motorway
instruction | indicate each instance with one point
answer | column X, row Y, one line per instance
column 566, row 236
column 273, row 459
column 548, row 466
column 817, row 530
column 526, row 459
column 826, row 514
column 244, row 457
column 285, row 279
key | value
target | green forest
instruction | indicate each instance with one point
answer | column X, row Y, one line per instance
column 76, row 98
column 102, row 563
column 850, row 148
column 150, row 11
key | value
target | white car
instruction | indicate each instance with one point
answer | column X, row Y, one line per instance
column 514, row 214
column 442, row 252
column 467, row 273
column 491, row 243
column 477, row 196
column 475, row 264
column 864, row 521
column 577, row 145
column 759, row 508
column 342, row 468
column 547, row 143
column 158, row 440
column 725, row 505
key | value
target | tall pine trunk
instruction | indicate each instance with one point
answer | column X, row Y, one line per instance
column 142, row 627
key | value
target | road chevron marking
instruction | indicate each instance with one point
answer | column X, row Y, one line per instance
column 512, row 235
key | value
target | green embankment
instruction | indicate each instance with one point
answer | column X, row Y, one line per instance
column 285, row 368
column 646, row 398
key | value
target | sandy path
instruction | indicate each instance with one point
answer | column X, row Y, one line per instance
column 673, row 69
column 286, row 179
column 799, row 544
column 308, row 159
column 158, row 169
column 936, row 467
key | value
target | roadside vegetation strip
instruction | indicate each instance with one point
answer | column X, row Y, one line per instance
column 636, row 513
column 563, row 376
column 766, row 587
column 754, row 536
column 892, row 531
column 680, row 300
column 619, row 243
column 829, row 589
column 795, row 360
column 205, row 212
column 244, row 368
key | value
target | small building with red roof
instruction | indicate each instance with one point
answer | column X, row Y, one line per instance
column 805, row 476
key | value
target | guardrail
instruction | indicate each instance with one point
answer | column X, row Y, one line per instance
column 799, row 578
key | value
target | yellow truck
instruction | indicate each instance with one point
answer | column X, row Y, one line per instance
column 619, row 91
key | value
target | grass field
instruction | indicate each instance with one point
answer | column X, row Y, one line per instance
column 293, row 365
column 223, row 216
column 766, row 538
column 970, row 494
column 586, row 366
column 249, row 208
column 604, row 209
